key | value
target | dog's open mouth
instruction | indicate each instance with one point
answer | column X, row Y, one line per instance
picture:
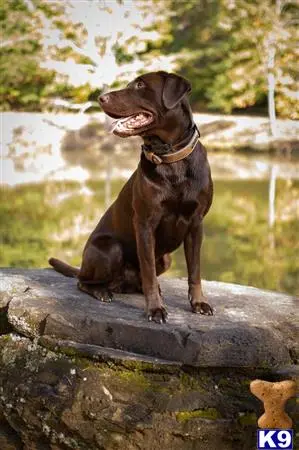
column 131, row 124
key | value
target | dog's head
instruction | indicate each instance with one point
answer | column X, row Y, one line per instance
column 151, row 103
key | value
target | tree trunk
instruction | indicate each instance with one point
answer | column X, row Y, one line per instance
column 271, row 86
column 272, row 190
column 271, row 208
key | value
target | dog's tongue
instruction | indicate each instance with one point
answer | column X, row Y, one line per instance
column 130, row 122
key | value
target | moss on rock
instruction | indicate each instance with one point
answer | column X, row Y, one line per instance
column 248, row 418
column 208, row 413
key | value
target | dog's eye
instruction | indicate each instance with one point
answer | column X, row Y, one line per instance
column 139, row 84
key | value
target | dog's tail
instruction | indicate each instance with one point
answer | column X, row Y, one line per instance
column 64, row 268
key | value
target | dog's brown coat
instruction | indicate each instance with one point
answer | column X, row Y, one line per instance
column 158, row 208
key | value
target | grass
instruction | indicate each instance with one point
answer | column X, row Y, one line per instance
column 55, row 219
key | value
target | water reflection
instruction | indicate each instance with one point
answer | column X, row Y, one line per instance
column 78, row 169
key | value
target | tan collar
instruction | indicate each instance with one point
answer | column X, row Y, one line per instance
column 169, row 158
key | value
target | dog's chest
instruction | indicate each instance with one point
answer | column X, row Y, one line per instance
column 178, row 207
column 182, row 196
column 180, row 204
column 177, row 214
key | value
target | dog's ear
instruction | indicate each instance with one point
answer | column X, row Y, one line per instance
column 175, row 88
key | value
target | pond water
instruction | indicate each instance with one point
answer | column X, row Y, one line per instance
column 53, row 197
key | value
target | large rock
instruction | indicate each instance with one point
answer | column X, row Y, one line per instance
column 79, row 374
column 251, row 328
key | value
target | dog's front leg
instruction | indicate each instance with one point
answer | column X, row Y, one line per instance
column 145, row 240
column 192, row 246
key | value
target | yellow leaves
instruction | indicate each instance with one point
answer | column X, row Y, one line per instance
column 287, row 107
column 206, row 34
column 238, row 85
column 246, row 99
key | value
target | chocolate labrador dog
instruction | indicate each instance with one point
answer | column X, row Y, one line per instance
column 160, row 206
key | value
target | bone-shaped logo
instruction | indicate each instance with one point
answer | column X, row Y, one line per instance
column 274, row 397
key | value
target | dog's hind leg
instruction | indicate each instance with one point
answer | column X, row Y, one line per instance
column 102, row 266
column 163, row 264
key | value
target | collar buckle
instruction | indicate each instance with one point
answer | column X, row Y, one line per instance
column 151, row 156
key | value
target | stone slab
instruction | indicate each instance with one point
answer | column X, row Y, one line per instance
column 250, row 328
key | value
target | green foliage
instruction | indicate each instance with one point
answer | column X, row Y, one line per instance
column 24, row 84
column 257, row 28
column 22, row 81
column 121, row 56
column 221, row 46
column 201, row 47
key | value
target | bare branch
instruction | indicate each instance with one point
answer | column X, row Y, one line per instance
column 91, row 49
column 81, row 51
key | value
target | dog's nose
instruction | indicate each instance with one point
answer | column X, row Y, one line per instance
column 104, row 98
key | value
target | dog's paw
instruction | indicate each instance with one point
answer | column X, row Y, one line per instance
column 104, row 295
column 100, row 293
column 158, row 315
column 202, row 308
